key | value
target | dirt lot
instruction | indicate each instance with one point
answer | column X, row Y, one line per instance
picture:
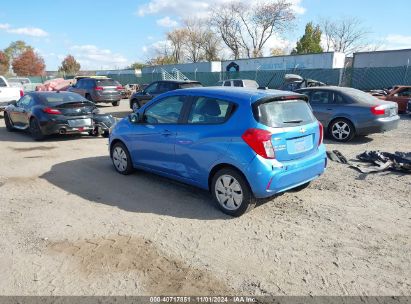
column 70, row 225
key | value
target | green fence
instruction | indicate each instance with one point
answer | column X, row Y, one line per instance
column 360, row 78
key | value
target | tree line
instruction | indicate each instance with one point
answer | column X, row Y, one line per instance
column 21, row 59
column 245, row 31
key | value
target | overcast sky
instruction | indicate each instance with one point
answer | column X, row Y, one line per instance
column 112, row 34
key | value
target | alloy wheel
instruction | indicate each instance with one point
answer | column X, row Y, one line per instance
column 341, row 130
column 228, row 192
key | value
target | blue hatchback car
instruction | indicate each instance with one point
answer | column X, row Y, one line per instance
column 240, row 144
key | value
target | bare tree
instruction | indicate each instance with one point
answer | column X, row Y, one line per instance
column 177, row 40
column 246, row 29
column 227, row 26
column 347, row 35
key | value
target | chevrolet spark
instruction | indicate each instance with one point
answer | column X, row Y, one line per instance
column 240, row 144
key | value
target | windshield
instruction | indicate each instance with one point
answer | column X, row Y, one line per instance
column 190, row 85
column 107, row 83
column 60, row 98
column 289, row 113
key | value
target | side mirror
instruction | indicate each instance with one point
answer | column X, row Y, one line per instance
column 134, row 118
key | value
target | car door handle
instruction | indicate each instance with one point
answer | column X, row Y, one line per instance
column 166, row 133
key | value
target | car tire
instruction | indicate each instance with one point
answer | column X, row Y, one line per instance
column 341, row 130
column 135, row 105
column 35, row 129
column 7, row 121
column 106, row 134
column 88, row 97
column 121, row 159
column 116, row 103
column 231, row 192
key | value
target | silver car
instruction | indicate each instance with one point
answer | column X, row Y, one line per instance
column 347, row 112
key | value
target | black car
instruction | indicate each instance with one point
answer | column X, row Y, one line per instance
column 104, row 90
column 138, row 99
column 46, row 113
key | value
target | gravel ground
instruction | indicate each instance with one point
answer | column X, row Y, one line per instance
column 70, row 225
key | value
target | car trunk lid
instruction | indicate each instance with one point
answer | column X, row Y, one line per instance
column 295, row 131
column 75, row 108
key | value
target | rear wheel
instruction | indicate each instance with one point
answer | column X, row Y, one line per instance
column 35, row 129
column 341, row 130
column 116, row 103
column 9, row 125
column 232, row 192
column 121, row 159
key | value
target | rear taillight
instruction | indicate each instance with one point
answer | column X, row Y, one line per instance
column 119, row 88
column 51, row 111
column 378, row 110
column 260, row 141
column 99, row 88
column 321, row 131
column 21, row 93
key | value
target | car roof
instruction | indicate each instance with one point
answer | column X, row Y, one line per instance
column 239, row 94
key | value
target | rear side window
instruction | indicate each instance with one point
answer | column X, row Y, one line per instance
column 238, row 83
column 227, row 84
column 280, row 114
column 209, row 111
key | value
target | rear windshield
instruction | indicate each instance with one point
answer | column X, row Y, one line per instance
column 60, row 98
column 190, row 85
column 360, row 96
column 279, row 114
column 107, row 83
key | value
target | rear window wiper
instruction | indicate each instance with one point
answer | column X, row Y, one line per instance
column 292, row 121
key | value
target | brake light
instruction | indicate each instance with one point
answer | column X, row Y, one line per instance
column 260, row 141
column 21, row 93
column 99, row 88
column 378, row 110
column 321, row 129
column 119, row 88
column 51, row 111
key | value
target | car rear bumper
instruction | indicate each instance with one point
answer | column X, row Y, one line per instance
column 268, row 177
column 379, row 125
column 62, row 127
column 107, row 98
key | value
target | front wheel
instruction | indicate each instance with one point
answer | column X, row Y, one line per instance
column 116, row 103
column 9, row 125
column 135, row 105
column 35, row 129
column 341, row 130
column 121, row 159
column 232, row 193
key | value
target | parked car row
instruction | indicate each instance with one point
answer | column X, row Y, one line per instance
column 241, row 144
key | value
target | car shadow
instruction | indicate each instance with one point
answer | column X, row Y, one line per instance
column 96, row 180
column 358, row 140
column 24, row 136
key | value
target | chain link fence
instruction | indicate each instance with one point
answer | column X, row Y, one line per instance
column 359, row 78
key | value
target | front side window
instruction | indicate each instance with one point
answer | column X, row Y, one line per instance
column 25, row 101
column 151, row 89
column 2, row 83
column 166, row 111
column 227, row 83
column 209, row 111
